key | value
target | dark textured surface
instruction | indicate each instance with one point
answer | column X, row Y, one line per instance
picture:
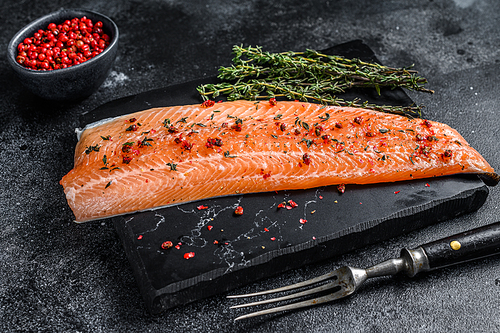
column 62, row 277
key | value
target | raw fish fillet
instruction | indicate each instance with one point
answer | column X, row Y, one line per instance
column 171, row 155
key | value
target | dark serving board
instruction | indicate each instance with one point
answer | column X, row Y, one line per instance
column 266, row 240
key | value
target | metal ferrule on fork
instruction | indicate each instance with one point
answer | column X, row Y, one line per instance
column 411, row 262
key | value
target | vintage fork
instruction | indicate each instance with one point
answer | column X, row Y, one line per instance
column 469, row 245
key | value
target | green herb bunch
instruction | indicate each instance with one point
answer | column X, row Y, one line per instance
column 309, row 76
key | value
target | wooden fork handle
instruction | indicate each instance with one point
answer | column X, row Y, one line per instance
column 469, row 245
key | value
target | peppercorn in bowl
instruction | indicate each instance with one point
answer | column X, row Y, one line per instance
column 65, row 55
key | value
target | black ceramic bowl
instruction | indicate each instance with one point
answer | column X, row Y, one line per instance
column 76, row 82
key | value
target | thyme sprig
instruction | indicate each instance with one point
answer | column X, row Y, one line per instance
column 309, row 76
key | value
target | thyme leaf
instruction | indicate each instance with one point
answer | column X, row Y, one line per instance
column 325, row 117
column 145, row 142
column 309, row 76
column 173, row 166
column 90, row 149
column 228, row 155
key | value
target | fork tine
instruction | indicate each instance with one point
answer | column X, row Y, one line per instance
column 293, row 306
column 326, row 286
column 326, row 276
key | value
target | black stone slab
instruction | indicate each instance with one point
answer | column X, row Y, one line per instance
column 230, row 251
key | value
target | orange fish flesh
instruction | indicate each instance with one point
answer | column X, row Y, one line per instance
column 172, row 155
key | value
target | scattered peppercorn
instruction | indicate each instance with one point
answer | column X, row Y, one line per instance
column 185, row 144
column 306, row 159
column 127, row 146
column 326, row 138
column 265, row 175
column 237, row 125
column 167, row 245
column 172, row 129
column 189, row 255
column 213, row 142
column 208, row 103
column 238, row 210
column 425, row 150
column 132, row 128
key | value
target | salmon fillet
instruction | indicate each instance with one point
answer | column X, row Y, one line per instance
column 171, row 155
